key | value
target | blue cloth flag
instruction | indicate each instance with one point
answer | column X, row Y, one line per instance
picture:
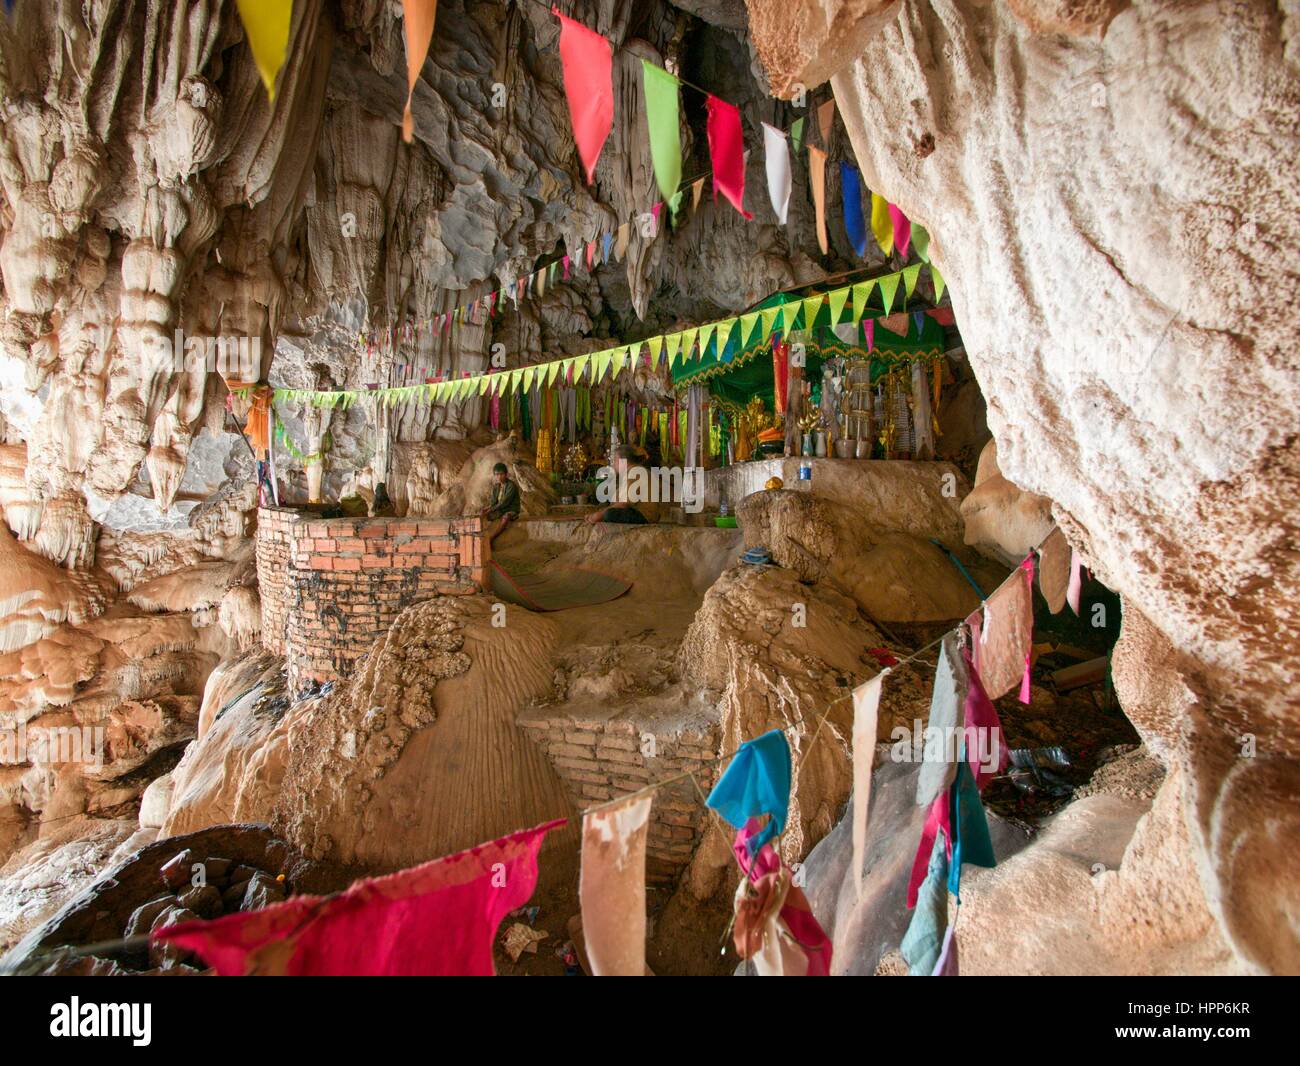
column 854, row 222
column 757, row 782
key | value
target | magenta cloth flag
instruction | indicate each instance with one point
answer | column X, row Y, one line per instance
column 655, row 211
column 727, row 151
column 936, row 819
column 902, row 230
column 588, row 64
column 777, row 150
column 979, row 715
column 869, row 332
column 439, row 918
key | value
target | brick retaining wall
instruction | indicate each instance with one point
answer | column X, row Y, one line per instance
column 331, row 586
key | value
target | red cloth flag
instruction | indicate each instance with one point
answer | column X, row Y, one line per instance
column 727, row 151
column 589, row 84
column 436, row 919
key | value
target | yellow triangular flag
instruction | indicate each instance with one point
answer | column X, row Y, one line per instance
column 633, row 351
column 706, row 335
column 939, row 285
column 888, row 290
column 860, row 293
column 881, row 224
column 724, row 335
column 747, row 324
column 910, row 274
column 267, row 24
column 789, row 312
column 579, row 366
column 674, row 346
column 688, row 342
column 836, row 300
column 768, row 317
column 811, row 306
column 617, row 360
column 655, row 344
column 529, row 371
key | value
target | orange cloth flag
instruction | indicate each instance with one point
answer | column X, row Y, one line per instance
column 817, row 175
column 418, row 16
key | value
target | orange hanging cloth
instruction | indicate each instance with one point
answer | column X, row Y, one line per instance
column 781, row 375
column 417, row 16
column 258, row 428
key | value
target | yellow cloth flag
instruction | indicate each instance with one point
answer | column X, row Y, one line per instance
column 528, row 377
column 552, row 373
column 836, row 300
column 617, row 360
column 417, row 18
column 655, row 344
column 267, row 24
column 768, row 316
column 747, row 324
column 633, row 351
column 674, row 346
column 579, row 367
column 860, row 293
column 789, row 312
column 881, row 224
column 724, row 335
column 688, row 342
column 811, row 306
column 706, row 335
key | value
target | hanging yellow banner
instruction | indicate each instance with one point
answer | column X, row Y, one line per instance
column 267, row 24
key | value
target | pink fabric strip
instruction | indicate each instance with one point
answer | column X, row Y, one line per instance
column 980, row 714
column 936, row 818
column 1076, row 582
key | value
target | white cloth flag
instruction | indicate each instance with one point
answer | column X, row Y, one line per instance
column 866, row 707
column 778, row 170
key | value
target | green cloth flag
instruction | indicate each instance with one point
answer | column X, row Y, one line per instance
column 939, row 286
column 747, row 324
column 661, row 104
column 910, row 274
column 796, row 135
column 888, row 290
column 921, row 242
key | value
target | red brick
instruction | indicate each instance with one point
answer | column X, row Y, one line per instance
column 347, row 564
column 321, row 562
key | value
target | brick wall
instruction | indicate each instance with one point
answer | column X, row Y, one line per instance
column 603, row 758
column 331, row 586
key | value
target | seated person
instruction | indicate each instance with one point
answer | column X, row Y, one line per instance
column 619, row 514
column 504, row 505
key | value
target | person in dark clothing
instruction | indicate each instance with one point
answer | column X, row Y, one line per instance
column 504, row 505
column 619, row 514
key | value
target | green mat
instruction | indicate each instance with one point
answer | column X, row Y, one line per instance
column 556, row 590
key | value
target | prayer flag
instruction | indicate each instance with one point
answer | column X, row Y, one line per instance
column 588, row 63
column 756, row 782
column 777, row 152
column 726, row 151
column 661, row 105
column 902, row 229
column 417, row 20
column 881, row 225
column 854, row 224
column 817, row 175
column 866, row 707
column 611, row 890
column 267, row 24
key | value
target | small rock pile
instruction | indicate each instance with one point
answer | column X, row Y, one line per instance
column 201, row 888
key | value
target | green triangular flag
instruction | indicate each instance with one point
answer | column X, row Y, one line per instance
column 655, row 344
column 860, row 293
column 688, row 342
column 910, row 274
column 674, row 346
column 747, row 324
column 888, row 290
column 835, row 300
column 796, row 134
column 661, row 105
column 811, row 306
column 921, row 242
column 768, row 315
column 939, row 286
